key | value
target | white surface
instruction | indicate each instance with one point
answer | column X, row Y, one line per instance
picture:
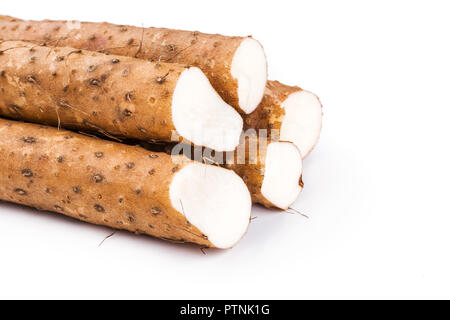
column 249, row 67
column 302, row 122
column 376, row 186
column 223, row 218
column 201, row 116
column 282, row 173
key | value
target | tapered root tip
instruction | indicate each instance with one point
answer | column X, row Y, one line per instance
column 249, row 68
column 201, row 116
column 302, row 122
column 213, row 199
column 283, row 171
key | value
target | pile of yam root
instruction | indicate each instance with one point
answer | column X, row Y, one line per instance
column 168, row 133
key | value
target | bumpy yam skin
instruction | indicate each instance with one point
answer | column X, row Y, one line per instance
column 84, row 90
column 93, row 180
column 269, row 114
column 212, row 53
column 252, row 169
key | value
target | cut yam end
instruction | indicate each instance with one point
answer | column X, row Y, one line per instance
column 302, row 122
column 201, row 116
column 213, row 199
column 249, row 68
column 283, row 171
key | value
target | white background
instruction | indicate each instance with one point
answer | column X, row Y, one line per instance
column 377, row 185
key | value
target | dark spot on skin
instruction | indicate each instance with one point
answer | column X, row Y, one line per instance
column 31, row 78
column 92, row 38
column 59, row 208
column 98, row 178
column 20, row 192
column 95, row 98
column 99, row 208
column 79, row 51
column 151, row 226
column 128, row 96
column 115, row 61
column 22, row 94
column 138, row 192
column 88, row 123
column 64, row 104
column 60, row 159
column 130, row 165
column 91, row 68
column 130, row 41
column 48, row 190
column 104, row 77
column 94, row 82
column 54, row 74
column 127, row 113
column 123, row 29
column 171, row 47
column 175, row 169
column 130, row 217
column 29, row 140
column 27, row 173
column 66, row 88
column 99, row 154
column 14, row 108
column 3, row 73
column 156, row 211
column 77, row 189
column 120, row 200
column 126, row 72
column 60, row 58
column 160, row 80
column 151, row 172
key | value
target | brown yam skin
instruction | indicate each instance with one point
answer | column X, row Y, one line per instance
column 252, row 174
column 93, row 180
column 252, row 170
column 212, row 53
column 113, row 95
column 269, row 114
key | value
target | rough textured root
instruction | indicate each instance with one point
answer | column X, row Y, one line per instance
column 274, row 176
column 116, row 96
column 121, row 186
column 295, row 114
column 236, row 66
